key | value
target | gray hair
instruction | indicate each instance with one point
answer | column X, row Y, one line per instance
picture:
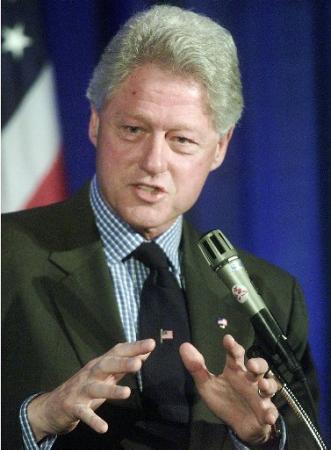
column 183, row 42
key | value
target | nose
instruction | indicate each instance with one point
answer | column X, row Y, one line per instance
column 154, row 159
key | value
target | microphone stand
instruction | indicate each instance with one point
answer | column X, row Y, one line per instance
column 298, row 410
column 287, row 394
column 272, row 343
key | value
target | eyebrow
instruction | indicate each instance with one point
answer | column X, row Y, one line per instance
column 177, row 128
column 130, row 116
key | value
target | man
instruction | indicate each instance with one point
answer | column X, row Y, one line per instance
column 165, row 98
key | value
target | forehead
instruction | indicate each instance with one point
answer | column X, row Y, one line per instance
column 152, row 85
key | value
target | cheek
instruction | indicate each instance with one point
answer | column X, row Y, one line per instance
column 196, row 174
column 190, row 180
column 111, row 156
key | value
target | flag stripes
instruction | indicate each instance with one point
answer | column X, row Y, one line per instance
column 32, row 171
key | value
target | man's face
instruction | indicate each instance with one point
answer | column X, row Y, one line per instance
column 156, row 144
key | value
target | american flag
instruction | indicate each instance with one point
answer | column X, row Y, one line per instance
column 32, row 171
column 166, row 334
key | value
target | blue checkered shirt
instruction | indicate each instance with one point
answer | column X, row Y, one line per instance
column 119, row 240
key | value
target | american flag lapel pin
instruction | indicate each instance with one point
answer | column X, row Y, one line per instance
column 166, row 334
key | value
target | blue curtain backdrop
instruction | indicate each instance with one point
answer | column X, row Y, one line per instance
column 272, row 195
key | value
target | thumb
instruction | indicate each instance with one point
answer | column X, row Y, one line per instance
column 194, row 363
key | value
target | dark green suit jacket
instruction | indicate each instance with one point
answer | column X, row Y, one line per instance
column 59, row 312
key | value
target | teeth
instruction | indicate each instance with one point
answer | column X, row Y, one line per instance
column 148, row 188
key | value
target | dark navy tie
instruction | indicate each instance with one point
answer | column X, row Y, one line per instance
column 167, row 386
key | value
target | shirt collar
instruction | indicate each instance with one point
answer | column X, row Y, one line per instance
column 120, row 239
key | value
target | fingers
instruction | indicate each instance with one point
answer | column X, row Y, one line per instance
column 194, row 363
column 267, row 387
column 88, row 416
column 124, row 358
column 115, row 365
column 235, row 358
column 271, row 416
column 77, row 398
column 233, row 394
column 138, row 348
column 259, row 387
column 268, row 414
column 257, row 368
column 102, row 390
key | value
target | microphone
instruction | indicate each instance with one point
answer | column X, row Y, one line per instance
column 224, row 260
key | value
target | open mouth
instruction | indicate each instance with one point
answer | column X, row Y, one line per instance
column 149, row 193
column 150, row 189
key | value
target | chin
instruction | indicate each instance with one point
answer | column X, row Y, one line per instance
column 146, row 223
column 145, row 226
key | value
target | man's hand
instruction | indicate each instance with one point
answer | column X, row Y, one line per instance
column 233, row 395
column 60, row 410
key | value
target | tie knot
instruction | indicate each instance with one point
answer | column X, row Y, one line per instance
column 151, row 255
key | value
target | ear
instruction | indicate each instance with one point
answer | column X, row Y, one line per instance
column 221, row 149
column 93, row 128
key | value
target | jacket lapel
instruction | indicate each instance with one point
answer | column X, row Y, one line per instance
column 85, row 301
column 82, row 290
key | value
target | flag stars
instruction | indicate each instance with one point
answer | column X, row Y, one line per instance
column 15, row 41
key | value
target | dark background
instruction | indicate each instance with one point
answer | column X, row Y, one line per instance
column 272, row 195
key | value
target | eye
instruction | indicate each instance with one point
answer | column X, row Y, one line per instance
column 183, row 140
column 131, row 129
column 131, row 132
column 184, row 145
